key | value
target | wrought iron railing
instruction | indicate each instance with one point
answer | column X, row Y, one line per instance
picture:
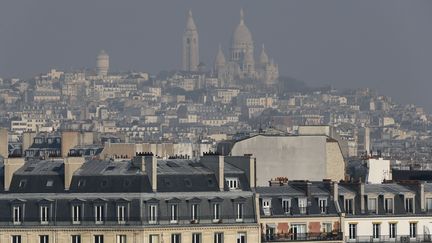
column 292, row 237
column 386, row 238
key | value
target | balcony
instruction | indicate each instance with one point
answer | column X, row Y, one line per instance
column 386, row 238
column 291, row 237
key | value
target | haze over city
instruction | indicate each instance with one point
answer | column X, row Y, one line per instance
column 385, row 45
column 228, row 121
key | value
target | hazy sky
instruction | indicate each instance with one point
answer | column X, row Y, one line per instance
column 385, row 44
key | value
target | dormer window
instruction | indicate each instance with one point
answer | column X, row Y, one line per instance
column 233, row 183
column 266, row 205
column 239, row 212
column 153, row 213
column 121, row 214
column 409, row 205
column 322, row 203
column 372, row 205
column 216, row 212
column 17, row 214
column 22, row 183
column 44, row 214
column 349, row 206
column 429, row 204
column 76, row 214
column 286, row 205
column 302, row 205
column 173, row 213
column 388, row 205
column 99, row 214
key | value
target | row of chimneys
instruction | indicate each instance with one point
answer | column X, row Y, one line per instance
column 146, row 162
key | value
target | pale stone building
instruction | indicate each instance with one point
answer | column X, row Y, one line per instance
column 241, row 63
column 190, row 60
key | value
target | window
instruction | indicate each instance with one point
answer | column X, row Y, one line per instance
column 16, row 214
column 326, row 227
column 218, row 238
column 302, row 204
column 388, row 205
column 76, row 238
column 372, row 207
column 216, row 212
column 154, row 238
column 175, row 238
column 392, row 230
column 241, row 238
column 99, row 214
column 44, row 214
column 429, row 204
column 76, row 214
column 239, row 212
column 194, row 212
column 266, row 204
column 173, row 213
column 352, row 231
column 16, row 238
column 233, row 183
column 121, row 239
column 43, row 239
column 413, row 230
column 153, row 212
column 409, row 205
column 196, row 238
column 286, row 205
column 375, row 231
column 322, row 202
column 98, row 239
column 349, row 206
column 121, row 214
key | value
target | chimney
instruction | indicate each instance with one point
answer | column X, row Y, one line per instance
column 216, row 163
column 69, row 139
column 362, row 197
column 11, row 165
column 335, row 191
column 27, row 140
column 147, row 162
column 422, row 196
column 309, row 189
column 71, row 164
column 4, row 143
column 247, row 163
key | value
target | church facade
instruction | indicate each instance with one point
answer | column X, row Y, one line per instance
column 240, row 64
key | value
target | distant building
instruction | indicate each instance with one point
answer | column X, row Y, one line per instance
column 190, row 60
column 102, row 64
column 241, row 63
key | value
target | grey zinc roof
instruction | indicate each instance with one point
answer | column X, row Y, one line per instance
column 105, row 167
column 345, row 190
column 41, row 167
column 387, row 188
column 279, row 190
column 181, row 166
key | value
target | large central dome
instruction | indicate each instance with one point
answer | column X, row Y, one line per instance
column 242, row 34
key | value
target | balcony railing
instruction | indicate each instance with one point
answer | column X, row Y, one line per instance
column 131, row 220
column 291, row 237
column 386, row 238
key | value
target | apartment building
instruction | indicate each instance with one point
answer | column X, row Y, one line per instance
column 299, row 211
column 145, row 199
column 386, row 212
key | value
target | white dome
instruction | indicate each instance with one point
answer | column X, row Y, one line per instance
column 242, row 34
